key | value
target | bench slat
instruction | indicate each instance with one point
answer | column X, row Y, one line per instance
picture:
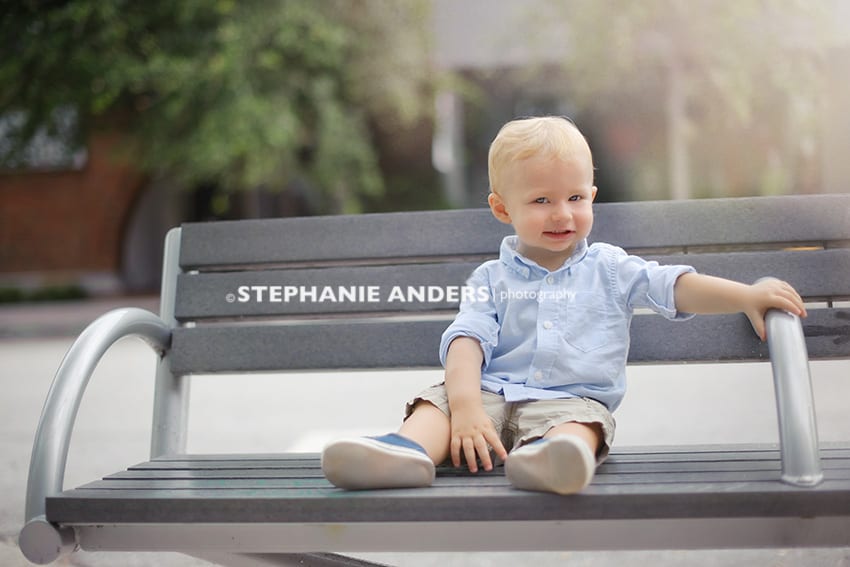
column 616, row 466
column 450, row 504
column 352, row 345
column 659, row 491
column 288, row 483
column 751, row 220
column 379, row 235
column 804, row 218
column 206, row 295
column 659, row 454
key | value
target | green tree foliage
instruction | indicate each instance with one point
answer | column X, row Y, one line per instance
column 242, row 94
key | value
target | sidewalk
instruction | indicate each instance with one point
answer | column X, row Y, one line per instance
column 62, row 318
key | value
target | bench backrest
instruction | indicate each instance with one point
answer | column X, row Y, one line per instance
column 343, row 291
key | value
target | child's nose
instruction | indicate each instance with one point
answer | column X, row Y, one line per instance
column 561, row 211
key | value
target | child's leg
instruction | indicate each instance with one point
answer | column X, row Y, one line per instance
column 590, row 433
column 429, row 427
column 399, row 460
column 560, row 444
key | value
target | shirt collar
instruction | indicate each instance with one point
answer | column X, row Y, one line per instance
column 524, row 267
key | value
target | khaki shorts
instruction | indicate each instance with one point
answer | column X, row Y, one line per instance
column 519, row 423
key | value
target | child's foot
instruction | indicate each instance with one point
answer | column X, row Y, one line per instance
column 562, row 464
column 390, row 461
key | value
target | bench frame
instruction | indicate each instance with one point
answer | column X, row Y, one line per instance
column 42, row 541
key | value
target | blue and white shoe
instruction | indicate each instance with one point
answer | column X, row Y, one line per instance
column 389, row 461
column 562, row 464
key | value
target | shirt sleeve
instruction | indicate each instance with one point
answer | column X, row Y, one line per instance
column 646, row 283
column 476, row 318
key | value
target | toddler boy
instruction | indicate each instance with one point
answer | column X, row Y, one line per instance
column 539, row 365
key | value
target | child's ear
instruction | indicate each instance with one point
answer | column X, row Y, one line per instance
column 593, row 193
column 497, row 207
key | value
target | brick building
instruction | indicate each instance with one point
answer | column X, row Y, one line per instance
column 62, row 226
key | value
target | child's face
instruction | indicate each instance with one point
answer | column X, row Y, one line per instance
column 548, row 202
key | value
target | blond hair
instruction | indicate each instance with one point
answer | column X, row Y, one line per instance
column 523, row 138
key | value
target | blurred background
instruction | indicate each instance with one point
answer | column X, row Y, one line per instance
column 119, row 120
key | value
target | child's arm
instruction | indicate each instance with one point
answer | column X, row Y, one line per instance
column 698, row 293
column 472, row 429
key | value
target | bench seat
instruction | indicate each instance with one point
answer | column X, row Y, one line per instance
column 644, row 488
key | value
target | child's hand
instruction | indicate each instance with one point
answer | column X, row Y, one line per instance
column 771, row 294
column 473, row 434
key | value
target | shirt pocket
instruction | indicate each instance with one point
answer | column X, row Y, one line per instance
column 588, row 321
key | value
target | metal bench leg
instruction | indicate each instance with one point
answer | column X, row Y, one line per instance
column 798, row 432
column 171, row 393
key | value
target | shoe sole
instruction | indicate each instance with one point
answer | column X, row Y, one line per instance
column 560, row 465
column 360, row 464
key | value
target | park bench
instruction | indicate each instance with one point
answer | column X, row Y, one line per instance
column 239, row 297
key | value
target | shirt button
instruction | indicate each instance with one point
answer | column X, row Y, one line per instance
column 550, row 279
column 538, row 375
column 547, row 324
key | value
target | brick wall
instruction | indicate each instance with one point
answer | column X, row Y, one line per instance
column 62, row 224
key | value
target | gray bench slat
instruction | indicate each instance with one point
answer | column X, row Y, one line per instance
column 351, row 345
column 318, row 482
column 307, row 461
column 284, row 483
column 743, row 451
column 379, row 235
column 202, row 457
column 688, row 500
column 834, row 455
column 710, row 453
column 305, row 347
column 730, row 337
column 652, row 224
column 611, row 466
column 800, row 218
column 206, row 472
column 643, row 494
column 248, row 472
column 205, row 295
column 224, row 463
column 803, row 269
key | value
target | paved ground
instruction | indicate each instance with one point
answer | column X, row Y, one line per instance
column 665, row 405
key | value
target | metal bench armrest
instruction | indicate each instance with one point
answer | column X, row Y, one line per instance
column 53, row 436
column 798, row 434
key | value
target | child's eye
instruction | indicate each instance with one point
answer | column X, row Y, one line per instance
column 575, row 197
column 541, row 200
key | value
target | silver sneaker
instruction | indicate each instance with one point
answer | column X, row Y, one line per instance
column 562, row 464
column 361, row 463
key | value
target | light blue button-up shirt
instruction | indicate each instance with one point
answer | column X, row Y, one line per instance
column 564, row 333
